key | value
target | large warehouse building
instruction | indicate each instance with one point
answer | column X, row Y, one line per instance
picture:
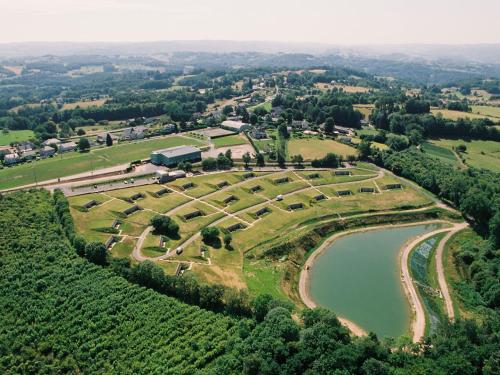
column 175, row 155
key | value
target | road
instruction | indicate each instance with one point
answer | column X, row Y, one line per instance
column 440, row 270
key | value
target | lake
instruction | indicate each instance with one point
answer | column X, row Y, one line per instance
column 358, row 277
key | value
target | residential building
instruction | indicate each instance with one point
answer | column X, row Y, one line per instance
column 47, row 151
column 66, row 147
column 168, row 129
column 137, row 132
column 174, row 155
column 300, row 124
column 237, row 126
column 25, row 146
column 258, row 133
column 51, row 141
column 11, row 159
column 28, row 155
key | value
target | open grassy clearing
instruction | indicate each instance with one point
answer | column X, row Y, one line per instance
column 266, row 105
column 75, row 162
column 486, row 110
column 205, row 184
column 455, row 115
column 15, row 136
column 238, row 265
column 318, row 178
column 84, row 104
column 345, row 88
column 230, row 140
column 479, row 154
column 314, row 148
column 442, row 153
column 124, row 248
column 365, row 109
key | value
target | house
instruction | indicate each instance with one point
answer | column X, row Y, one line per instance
column 175, row 155
column 168, row 128
column 11, row 159
column 237, row 126
column 51, row 141
column 101, row 138
column 276, row 111
column 66, row 147
column 47, row 151
column 28, row 155
column 4, row 150
column 138, row 132
column 25, row 146
column 258, row 133
column 300, row 124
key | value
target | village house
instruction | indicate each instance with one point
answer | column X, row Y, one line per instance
column 66, row 147
column 51, row 141
column 11, row 159
column 47, row 151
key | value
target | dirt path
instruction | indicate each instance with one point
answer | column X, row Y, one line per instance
column 418, row 325
column 440, row 270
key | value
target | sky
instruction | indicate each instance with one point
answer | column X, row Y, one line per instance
column 321, row 21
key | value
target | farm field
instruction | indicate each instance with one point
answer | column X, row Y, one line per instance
column 479, row 154
column 345, row 88
column 266, row 105
column 257, row 217
column 313, row 148
column 230, row 140
column 84, row 104
column 455, row 115
column 486, row 110
column 75, row 162
column 15, row 136
column 365, row 109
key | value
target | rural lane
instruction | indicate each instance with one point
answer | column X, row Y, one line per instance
column 440, row 270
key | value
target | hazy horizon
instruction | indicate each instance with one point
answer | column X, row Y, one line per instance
column 338, row 22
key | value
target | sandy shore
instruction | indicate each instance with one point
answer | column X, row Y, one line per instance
column 418, row 324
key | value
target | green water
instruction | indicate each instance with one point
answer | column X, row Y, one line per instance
column 358, row 278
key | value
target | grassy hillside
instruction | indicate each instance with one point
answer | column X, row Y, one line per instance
column 62, row 314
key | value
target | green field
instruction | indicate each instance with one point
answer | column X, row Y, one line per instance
column 75, row 162
column 230, row 140
column 475, row 114
column 487, row 110
column 314, row 148
column 442, row 153
column 240, row 266
column 479, row 154
column 266, row 105
column 15, row 136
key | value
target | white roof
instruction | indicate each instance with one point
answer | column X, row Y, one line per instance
column 234, row 124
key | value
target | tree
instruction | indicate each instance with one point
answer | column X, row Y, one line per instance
column 461, row 148
column 109, row 140
column 253, row 119
column 80, row 132
column 415, row 137
column 185, row 166
column 397, row 142
column 209, row 164
column 227, row 240
column 297, row 160
column 227, row 109
column 281, row 160
column 210, row 235
column 229, row 155
column 329, row 125
column 223, row 162
column 364, row 148
column 260, row 160
column 96, row 253
column 246, row 159
column 165, row 225
column 83, row 144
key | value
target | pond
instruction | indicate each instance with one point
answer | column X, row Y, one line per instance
column 358, row 277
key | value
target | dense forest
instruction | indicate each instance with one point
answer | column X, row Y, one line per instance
column 63, row 313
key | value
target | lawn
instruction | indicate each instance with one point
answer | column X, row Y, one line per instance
column 365, row 109
column 75, row 162
column 479, row 154
column 84, row 104
column 230, row 140
column 15, row 136
column 266, row 105
column 314, row 148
